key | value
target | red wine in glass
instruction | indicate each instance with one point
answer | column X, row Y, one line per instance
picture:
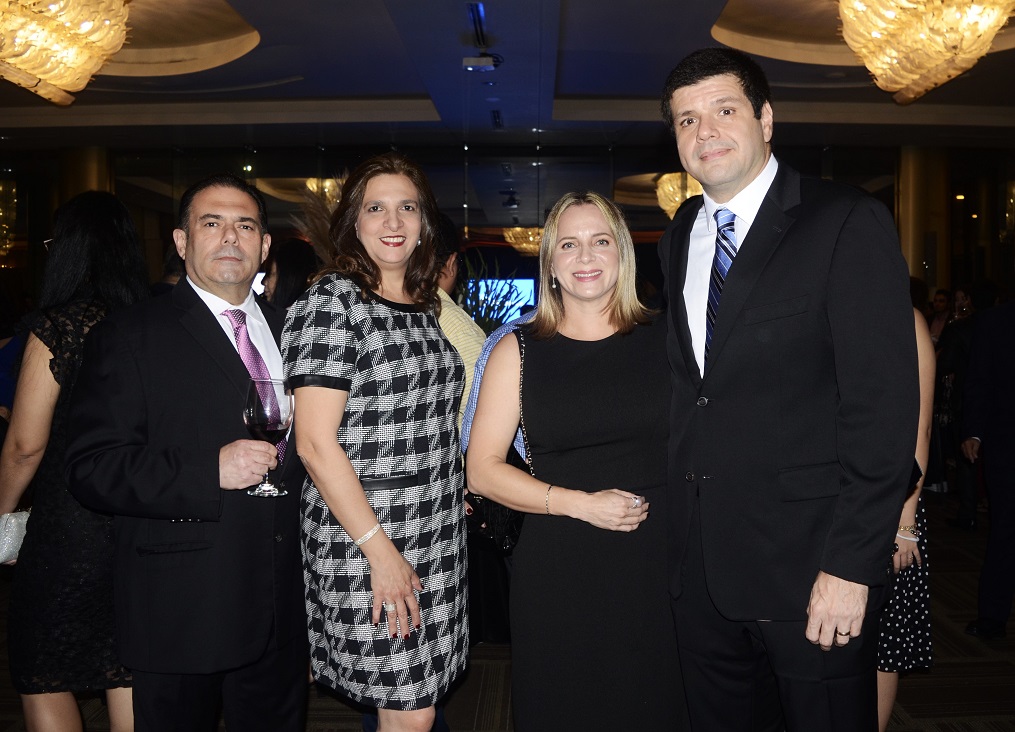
column 268, row 414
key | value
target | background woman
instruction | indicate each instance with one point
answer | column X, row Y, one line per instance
column 61, row 614
column 905, row 643
column 592, row 640
column 384, row 551
column 290, row 265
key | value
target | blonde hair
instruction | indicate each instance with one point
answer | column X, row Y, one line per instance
column 624, row 309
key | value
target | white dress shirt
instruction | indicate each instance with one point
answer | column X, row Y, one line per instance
column 257, row 327
column 701, row 250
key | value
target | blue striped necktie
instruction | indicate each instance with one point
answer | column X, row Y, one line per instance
column 725, row 251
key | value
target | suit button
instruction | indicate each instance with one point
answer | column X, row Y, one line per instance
column 278, row 538
column 689, row 477
column 702, row 401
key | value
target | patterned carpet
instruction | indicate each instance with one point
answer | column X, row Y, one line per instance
column 970, row 689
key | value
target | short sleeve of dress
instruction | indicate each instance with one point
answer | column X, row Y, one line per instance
column 320, row 344
column 62, row 330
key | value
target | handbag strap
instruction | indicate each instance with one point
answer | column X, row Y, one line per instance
column 521, row 406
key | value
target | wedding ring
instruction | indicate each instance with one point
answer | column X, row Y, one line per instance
column 389, row 607
column 841, row 634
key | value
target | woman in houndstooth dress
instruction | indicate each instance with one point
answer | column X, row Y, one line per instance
column 383, row 521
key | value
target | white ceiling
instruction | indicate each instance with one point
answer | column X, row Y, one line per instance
column 366, row 75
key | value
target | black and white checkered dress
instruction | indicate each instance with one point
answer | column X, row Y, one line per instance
column 404, row 381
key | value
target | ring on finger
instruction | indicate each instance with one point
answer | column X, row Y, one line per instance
column 636, row 501
column 842, row 635
column 389, row 607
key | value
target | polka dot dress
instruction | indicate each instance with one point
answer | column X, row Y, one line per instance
column 904, row 643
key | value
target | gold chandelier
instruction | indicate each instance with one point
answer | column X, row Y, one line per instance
column 52, row 47
column 912, row 46
column 525, row 239
column 672, row 189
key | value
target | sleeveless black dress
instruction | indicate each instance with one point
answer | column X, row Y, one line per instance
column 593, row 645
column 60, row 627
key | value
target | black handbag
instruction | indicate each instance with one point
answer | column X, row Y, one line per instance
column 499, row 525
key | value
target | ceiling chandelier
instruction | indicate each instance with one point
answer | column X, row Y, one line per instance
column 912, row 46
column 52, row 47
column 672, row 189
column 525, row 239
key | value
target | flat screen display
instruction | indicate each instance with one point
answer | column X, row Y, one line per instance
column 508, row 296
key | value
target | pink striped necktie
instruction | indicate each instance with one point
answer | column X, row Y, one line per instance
column 251, row 358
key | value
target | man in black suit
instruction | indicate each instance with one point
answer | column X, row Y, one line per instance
column 208, row 585
column 792, row 440
column 988, row 423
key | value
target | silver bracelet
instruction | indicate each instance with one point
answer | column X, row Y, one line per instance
column 546, row 501
column 907, row 538
column 367, row 536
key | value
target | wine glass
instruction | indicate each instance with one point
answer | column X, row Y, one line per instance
column 268, row 413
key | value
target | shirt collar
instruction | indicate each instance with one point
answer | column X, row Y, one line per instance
column 745, row 204
column 217, row 305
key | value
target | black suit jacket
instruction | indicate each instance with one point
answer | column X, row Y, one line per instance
column 989, row 391
column 799, row 439
column 205, row 578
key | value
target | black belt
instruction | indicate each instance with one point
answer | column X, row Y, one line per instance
column 394, row 482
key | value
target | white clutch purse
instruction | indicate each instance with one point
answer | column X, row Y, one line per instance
column 12, row 533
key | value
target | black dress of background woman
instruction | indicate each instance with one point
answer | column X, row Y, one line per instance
column 61, row 614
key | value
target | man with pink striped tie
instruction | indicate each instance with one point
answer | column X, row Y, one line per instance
column 208, row 586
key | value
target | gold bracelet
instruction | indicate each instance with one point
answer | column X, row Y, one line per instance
column 911, row 529
column 367, row 536
column 546, row 501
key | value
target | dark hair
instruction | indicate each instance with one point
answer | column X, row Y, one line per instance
column 982, row 294
column 221, row 180
column 172, row 263
column 352, row 259
column 448, row 240
column 95, row 253
column 295, row 263
column 708, row 62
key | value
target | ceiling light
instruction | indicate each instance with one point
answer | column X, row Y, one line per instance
column 55, row 47
column 482, row 62
column 525, row 239
column 912, row 46
column 672, row 189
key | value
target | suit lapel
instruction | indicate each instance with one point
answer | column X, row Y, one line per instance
column 769, row 227
column 198, row 320
column 679, row 240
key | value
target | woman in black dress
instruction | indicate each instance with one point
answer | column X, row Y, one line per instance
column 60, row 627
column 904, row 641
column 593, row 646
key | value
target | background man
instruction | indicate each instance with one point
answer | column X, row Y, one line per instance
column 208, row 587
column 460, row 329
column 794, row 417
column 988, row 406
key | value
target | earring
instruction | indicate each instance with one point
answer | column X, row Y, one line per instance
column 419, row 241
column 553, row 282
